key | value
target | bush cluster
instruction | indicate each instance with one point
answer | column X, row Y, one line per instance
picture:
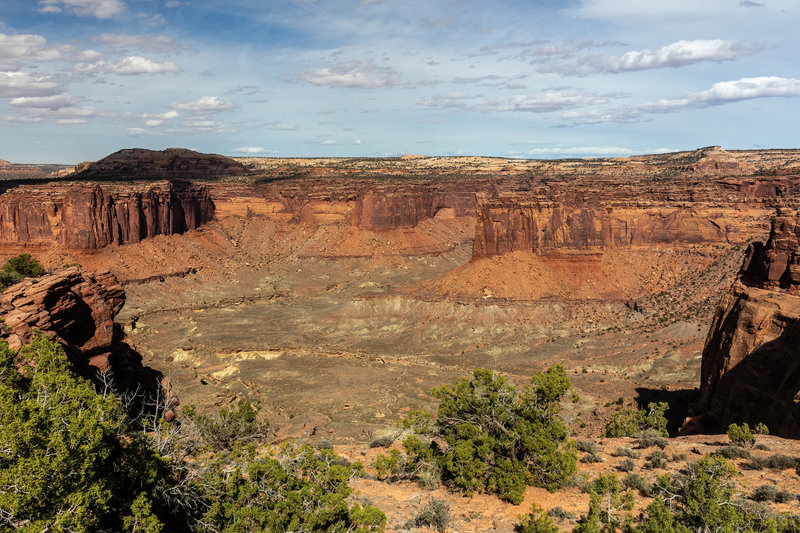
column 74, row 460
column 496, row 438
column 631, row 421
column 19, row 267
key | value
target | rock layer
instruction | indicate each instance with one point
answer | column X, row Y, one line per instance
column 91, row 216
column 751, row 360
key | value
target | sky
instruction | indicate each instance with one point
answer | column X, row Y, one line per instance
column 80, row 79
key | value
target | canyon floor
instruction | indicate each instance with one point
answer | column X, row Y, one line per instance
column 335, row 345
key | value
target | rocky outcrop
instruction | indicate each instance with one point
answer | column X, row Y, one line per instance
column 751, row 359
column 77, row 309
column 171, row 163
column 388, row 210
column 94, row 216
column 70, row 305
column 550, row 227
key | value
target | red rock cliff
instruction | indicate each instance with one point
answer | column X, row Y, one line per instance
column 91, row 216
column 751, row 358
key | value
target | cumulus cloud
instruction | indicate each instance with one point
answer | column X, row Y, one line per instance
column 354, row 75
column 17, row 84
column 249, row 150
column 720, row 93
column 102, row 9
column 681, row 53
column 129, row 66
column 583, row 150
column 204, row 105
column 16, row 49
column 146, row 42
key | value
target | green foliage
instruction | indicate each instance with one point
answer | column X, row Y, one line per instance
column 765, row 493
column 630, row 421
column 624, row 451
column 498, row 439
column 296, row 489
column 627, row 465
column 657, row 459
column 744, row 436
column 231, row 427
column 588, row 446
column 72, row 460
column 501, row 439
column 733, row 452
column 776, row 461
column 651, row 437
column 607, row 502
column 19, row 267
column 536, row 521
column 381, row 442
column 435, row 514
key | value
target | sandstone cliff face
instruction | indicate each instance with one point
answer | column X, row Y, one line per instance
column 751, row 359
column 551, row 227
column 91, row 216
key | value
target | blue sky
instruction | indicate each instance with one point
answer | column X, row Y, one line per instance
column 80, row 79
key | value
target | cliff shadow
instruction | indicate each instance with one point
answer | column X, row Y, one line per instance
column 678, row 400
column 763, row 387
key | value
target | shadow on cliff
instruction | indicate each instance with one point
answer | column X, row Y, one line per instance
column 763, row 387
column 678, row 400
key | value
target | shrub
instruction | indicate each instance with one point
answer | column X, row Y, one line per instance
column 657, row 459
column 588, row 446
column 777, row 461
column 536, row 521
column 784, row 496
column 650, row 437
column 18, row 267
column 765, row 493
column 733, row 452
column 560, row 514
column 624, row 451
column 744, row 436
column 325, row 445
column 627, row 465
column 382, row 442
column 239, row 425
column 606, row 504
column 630, row 421
column 501, row 439
column 590, row 458
column 639, row 484
column 435, row 515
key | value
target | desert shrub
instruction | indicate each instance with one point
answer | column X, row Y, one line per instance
column 777, row 461
column 733, row 452
column 435, row 514
column 381, row 442
column 765, row 493
column 18, row 267
column 536, row 521
column 607, row 501
column 590, row 458
column 657, row 459
column 588, row 446
column 650, row 437
column 324, row 445
column 677, row 457
column 784, row 496
column 499, row 439
column 630, row 421
column 624, row 451
column 762, row 447
column 560, row 514
column 639, row 484
column 744, row 436
column 239, row 425
column 627, row 465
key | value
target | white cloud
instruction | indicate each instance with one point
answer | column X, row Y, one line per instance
column 56, row 101
column 146, row 42
column 682, row 53
column 543, row 102
column 205, row 104
column 152, row 20
column 17, row 84
column 102, row 9
column 720, row 93
column 129, row 66
column 16, row 49
column 249, row 150
column 583, row 150
column 354, row 75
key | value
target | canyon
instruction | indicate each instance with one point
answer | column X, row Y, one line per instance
column 336, row 293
